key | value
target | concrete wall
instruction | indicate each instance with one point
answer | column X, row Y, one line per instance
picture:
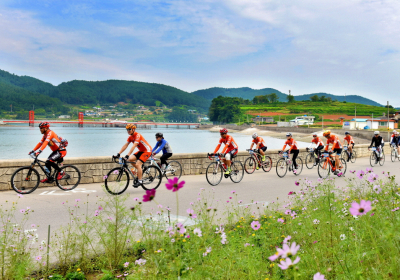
column 93, row 169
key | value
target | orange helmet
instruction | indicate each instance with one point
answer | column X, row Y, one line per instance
column 327, row 133
column 130, row 126
column 44, row 124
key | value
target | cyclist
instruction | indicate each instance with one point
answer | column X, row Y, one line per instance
column 393, row 135
column 163, row 145
column 294, row 149
column 350, row 144
column 396, row 142
column 378, row 142
column 59, row 152
column 230, row 149
column 319, row 146
column 336, row 149
column 260, row 145
column 140, row 157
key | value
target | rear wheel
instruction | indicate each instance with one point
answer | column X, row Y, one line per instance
column 174, row 170
column 353, row 157
column 324, row 168
column 299, row 162
column 250, row 165
column 116, row 181
column 310, row 160
column 267, row 164
column 373, row 159
column 281, row 168
column 25, row 180
column 70, row 179
column 151, row 177
column 214, row 174
column 237, row 171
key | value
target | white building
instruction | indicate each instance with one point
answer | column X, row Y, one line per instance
column 380, row 123
column 304, row 120
column 355, row 124
column 64, row 117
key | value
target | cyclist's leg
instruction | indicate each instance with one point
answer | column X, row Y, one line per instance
column 164, row 158
column 262, row 152
column 295, row 154
column 337, row 152
column 134, row 159
column 53, row 160
column 318, row 152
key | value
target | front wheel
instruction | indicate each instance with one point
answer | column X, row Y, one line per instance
column 237, row 171
column 324, row 168
column 151, row 177
column 71, row 176
column 393, row 156
column 310, row 161
column 25, row 180
column 267, row 164
column 250, row 165
column 214, row 173
column 174, row 169
column 299, row 162
column 382, row 159
column 281, row 168
column 116, row 181
column 343, row 165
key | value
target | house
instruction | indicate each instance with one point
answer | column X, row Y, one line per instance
column 304, row 120
column 381, row 122
column 64, row 117
column 263, row 119
column 355, row 124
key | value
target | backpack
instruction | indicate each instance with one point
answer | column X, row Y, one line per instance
column 63, row 143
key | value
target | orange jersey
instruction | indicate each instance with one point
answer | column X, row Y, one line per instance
column 51, row 139
column 291, row 143
column 259, row 140
column 142, row 146
column 335, row 141
column 318, row 142
column 230, row 144
column 349, row 139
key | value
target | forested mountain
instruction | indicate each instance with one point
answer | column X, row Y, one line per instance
column 26, row 82
column 245, row 93
column 248, row 93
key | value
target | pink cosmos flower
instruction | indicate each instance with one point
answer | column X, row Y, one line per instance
column 319, row 276
column 360, row 174
column 290, row 193
column 198, row 232
column 285, row 241
column 191, row 213
column 255, row 225
column 38, row 258
column 288, row 212
column 372, row 178
column 246, row 244
column 22, row 211
column 116, row 172
column 100, row 208
column 287, row 251
column 360, row 209
column 126, row 264
column 149, row 196
column 280, row 220
column 296, row 183
column 377, row 189
column 352, row 171
column 369, row 169
column 105, row 177
column 288, row 263
column 174, row 185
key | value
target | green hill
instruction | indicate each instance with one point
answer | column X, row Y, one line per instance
column 26, row 82
column 245, row 93
column 340, row 98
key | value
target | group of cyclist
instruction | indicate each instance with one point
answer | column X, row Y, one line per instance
column 145, row 151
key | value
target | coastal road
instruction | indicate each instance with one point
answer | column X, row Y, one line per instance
column 48, row 206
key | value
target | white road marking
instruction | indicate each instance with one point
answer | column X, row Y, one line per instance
column 59, row 192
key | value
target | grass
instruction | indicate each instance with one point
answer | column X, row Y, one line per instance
column 224, row 239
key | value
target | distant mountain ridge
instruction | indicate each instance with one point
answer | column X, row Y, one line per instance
column 249, row 93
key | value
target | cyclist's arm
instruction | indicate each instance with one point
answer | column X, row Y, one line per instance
column 217, row 148
column 46, row 142
column 372, row 142
column 228, row 143
column 327, row 146
column 155, row 147
column 38, row 146
column 124, row 147
column 251, row 146
column 258, row 145
column 161, row 146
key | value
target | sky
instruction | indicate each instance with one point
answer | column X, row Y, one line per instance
column 308, row 46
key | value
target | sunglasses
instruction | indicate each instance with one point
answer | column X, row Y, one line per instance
column 315, row 136
column 129, row 129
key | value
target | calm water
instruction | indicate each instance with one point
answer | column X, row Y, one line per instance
column 17, row 142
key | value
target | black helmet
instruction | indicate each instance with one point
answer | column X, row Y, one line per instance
column 347, row 132
column 159, row 134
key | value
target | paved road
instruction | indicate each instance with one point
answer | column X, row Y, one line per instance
column 260, row 186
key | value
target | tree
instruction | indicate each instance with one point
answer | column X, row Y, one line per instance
column 290, row 98
column 273, row 97
column 225, row 109
column 314, row 98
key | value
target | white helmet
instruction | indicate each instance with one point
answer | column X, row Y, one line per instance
column 376, row 132
column 255, row 135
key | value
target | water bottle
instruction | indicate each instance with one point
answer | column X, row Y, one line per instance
column 46, row 170
column 133, row 170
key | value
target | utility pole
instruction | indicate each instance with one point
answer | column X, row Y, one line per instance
column 322, row 122
column 11, row 108
column 388, row 122
column 344, row 97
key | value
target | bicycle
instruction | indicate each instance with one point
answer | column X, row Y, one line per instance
column 353, row 154
column 173, row 169
column 216, row 169
column 327, row 165
column 374, row 158
column 311, row 159
column 394, row 154
column 254, row 160
column 286, row 163
column 26, row 179
column 117, row 179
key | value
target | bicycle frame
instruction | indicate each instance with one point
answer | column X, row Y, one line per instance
column 38, row 161
column 218, row 160
column 256, row 156
column 124, row 163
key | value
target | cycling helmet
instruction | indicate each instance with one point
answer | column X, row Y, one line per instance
column 376, row 133
column 315, row 134
column 223, row 131
column 327, row 132
column 288, row 134
column 130, row 126
column 397, row 133
column 44, row 124
column 255, row 135
column 159, row 134
column 347, row 132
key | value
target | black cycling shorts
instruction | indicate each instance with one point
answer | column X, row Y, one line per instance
column 57, row 156
column 337, row 151
column 263, row 149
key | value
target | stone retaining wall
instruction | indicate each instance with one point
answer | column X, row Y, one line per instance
column 93, row 169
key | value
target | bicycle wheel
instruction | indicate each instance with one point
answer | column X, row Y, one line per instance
column 117, row 181
column 324, row 168
column 310, row 160
column 174, row 170
column 393, row 156
column 71, row 178
column 267, row 164
column 214, row 174
column 25, row 180
column 281, row 168
column 353, row 157
column 250, row 165
column 343, row 170
column 237, row 171
column 382, row 160
column 299, row 162
column 151, row 177
column 373, row 159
